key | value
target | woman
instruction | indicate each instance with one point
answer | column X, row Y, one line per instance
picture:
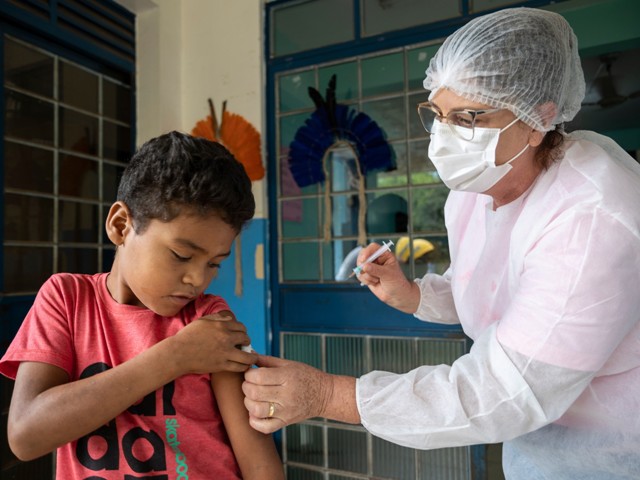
column 544, row 236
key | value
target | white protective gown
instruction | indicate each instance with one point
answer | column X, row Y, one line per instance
column 548, row 287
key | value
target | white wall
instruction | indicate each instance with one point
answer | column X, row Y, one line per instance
column 191, row 50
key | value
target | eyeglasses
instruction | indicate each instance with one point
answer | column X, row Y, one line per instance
column 459, row 118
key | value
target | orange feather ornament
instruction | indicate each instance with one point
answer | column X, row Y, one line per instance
column 243, row 141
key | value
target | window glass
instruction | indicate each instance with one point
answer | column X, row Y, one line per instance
column 390, row 115
column 28, row 69
column 79, row 222
column 78, row 87
column 410, row 185
column 116, row 101
column 77, row 260
column 300, row 261
column 310, row 24
column 422, row 171
column 116, row 141
column 18, row 260
column 300, row 218
column 383, row 74
column 480, row 5
column 426, row 210
column 347, row 450
column 383, row 16
column 28, row 118
column 417, row 62
column 28, row 218
column 78, row 132
column 19, row 159
column 78, row 177
column 293, row 91
column 289, row 125
column 111, row 175
column 391, row 178
column 346, row 80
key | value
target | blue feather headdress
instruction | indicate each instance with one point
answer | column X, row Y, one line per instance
column 330, row 124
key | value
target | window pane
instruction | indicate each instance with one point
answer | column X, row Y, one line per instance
column 116, row 101
column 108, row 254
column 480, row 5
column 380, row 17
column 422, row 171
column 20, row 163
column 383, row 74
column 78, row 222
column 435, row 261
column 289, row 125
column 117, row 142
column 389, row 114
column 78, row 132
column 304, row 444
column 78, row 87
column 288, row 185
column 303, row 348
column 28, row 218
column 347, row 450
column 393, row 461
column 300, row 218
column 344, row 215
column 28, row 69
column 346, row 356
column 346, row 80
column 26, row 268
column 392, row 178
column 28, row 118
column 418, row 60
column 111, row 178
column 392, row 355
column 449, row 463
column 297, row 473
column 428, row 209
column 416, row 129
column 344, row 255
column 387, row 213
column 311, row 24
column 78, row 177
column 293, row 90
column 300, row 261
column 77, row 260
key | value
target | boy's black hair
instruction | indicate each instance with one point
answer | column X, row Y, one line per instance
column 174, row 171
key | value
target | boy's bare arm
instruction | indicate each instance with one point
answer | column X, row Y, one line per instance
column 48, row 411
column 255, row 452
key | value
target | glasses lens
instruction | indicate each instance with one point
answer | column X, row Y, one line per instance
column 427, row 117
column 465, row 123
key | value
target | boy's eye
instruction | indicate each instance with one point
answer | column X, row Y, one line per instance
column 180, row 258
column 214, row 265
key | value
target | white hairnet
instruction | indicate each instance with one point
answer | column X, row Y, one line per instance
column 522, row 59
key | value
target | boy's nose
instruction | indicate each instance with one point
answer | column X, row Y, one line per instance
column 195, row 277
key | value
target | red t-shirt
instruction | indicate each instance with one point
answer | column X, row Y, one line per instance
column 175, row 432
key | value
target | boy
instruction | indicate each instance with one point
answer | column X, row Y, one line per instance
column 136, row 373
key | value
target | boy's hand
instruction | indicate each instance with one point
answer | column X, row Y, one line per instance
column 212, row 344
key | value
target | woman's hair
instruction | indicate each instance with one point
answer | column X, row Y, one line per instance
column 551, row 149
column 177, row 173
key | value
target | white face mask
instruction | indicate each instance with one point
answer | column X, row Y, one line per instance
column 468, row 165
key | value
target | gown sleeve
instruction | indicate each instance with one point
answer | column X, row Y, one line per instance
column 436, row 300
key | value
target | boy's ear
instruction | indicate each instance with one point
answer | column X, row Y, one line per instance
column 119, row 223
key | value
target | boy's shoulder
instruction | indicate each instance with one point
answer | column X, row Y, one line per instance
column 69, row 285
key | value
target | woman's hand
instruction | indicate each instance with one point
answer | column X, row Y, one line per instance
column 385, row 279
column 283, row 392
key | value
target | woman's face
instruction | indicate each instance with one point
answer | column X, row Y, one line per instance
column 511, row 141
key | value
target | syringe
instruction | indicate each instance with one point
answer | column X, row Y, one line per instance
column 385, row 247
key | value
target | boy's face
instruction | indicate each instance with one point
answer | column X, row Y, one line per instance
column 170, row 263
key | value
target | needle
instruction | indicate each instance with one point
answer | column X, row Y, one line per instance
column 385, row 246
